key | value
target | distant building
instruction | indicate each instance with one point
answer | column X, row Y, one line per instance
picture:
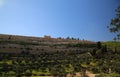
column 47, row 37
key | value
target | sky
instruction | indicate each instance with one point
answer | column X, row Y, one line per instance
column 84, row 19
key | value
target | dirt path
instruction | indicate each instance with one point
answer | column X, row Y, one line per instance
column 87, row 72
column 90, row 74
column 77, row 75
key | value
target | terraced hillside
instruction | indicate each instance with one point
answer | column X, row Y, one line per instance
column 17, row 44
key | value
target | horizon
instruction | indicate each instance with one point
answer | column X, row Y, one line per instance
column 56, row 37
column 83, row 19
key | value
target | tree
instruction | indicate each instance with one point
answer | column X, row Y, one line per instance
column 28, row 73
column 99, row 45
column 115, row 24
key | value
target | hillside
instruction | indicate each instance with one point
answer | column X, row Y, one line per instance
column 16, row 43
column 112, row 45
column 25, row 56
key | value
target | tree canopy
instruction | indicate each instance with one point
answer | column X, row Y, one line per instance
column 115, row 24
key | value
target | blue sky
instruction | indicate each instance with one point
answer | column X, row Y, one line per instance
column 84, row 19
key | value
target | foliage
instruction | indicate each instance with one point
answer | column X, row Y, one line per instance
column 98, row 60
column 115, row 24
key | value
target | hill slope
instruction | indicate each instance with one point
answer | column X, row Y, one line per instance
column 16, row 43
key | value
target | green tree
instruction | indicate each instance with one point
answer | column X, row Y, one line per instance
column 115, row 24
